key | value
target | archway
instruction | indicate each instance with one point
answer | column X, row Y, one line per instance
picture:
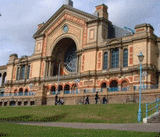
column 12, row 103
column 20, row 91
column 114, row 85
column 103, row 86
column 66, row 89
column 64, row 53
column 26, row 92
column 73, row 88
column 124, row 85
column 53, row 90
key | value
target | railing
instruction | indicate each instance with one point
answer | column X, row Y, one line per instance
column 146, row 87
column 115, row 89
column 155, row 107
column 17, row 94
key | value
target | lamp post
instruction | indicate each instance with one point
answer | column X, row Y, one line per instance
column 140, row 57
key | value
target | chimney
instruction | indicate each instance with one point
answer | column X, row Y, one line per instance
column 102, row 11
column 68, row 2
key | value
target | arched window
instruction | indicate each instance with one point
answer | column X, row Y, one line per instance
column 105, row 60
column 60, row 88
column 103, row 85
column 26, row 92
column 115, row 58
column 125, row 58
column 114, row 85
column 67, row 89
column 22, row 71
column 53, row 90
column 20, row 92
column 18, row 71
column 124, row 85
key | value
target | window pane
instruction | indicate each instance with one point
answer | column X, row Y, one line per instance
column 105, row 61
column 22, row 71
column 125, row 58
column 28, row 72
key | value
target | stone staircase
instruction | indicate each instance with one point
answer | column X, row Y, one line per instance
column 155, row 118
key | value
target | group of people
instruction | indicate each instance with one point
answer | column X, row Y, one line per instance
column 58, row 101
column 104, row 99
column 61, row 102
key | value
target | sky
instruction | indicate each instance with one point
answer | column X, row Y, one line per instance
column 20, row 18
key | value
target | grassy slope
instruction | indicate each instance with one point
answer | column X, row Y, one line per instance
column 110, row 113
column 14, row 130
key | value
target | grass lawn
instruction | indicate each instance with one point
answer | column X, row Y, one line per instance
column 110, row 113
column 15, row 130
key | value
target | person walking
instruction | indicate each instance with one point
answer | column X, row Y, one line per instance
column 96, row 97
column 56, row 99
column 104, row 100
column 87, row 100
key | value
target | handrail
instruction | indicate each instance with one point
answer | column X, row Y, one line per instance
column 17, row 94
column 157, row 105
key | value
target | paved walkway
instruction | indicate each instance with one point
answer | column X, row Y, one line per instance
column 150, row 127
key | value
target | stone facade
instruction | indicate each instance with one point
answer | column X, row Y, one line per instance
column 35, row 79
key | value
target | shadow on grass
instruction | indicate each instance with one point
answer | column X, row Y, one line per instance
column 31, row 118
column 54, row 118
column 20, row 118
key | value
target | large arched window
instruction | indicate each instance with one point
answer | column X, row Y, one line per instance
column 18, row 72
column 115, row 58
column 125, row 58
column 105, row 60
column 22, row 72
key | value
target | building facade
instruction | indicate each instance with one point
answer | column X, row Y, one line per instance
column 77, row 54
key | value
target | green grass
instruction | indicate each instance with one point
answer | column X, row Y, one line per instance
column 15, row 130
column 110, row 113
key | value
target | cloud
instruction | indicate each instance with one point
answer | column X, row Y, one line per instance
column 19, row 19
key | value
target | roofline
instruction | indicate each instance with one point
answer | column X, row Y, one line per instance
column 57, row 13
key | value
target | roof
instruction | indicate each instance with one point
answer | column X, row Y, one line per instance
column 58, row 12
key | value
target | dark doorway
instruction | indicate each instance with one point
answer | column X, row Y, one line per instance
column 114, row 85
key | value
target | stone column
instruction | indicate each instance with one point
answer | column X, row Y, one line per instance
column 52, row 67
column 79, row 65
column 26, row 70
column 46, row 66
column 49, row 69
column 1, row 84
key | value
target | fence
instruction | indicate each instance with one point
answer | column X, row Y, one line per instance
column 155, row 107
column 146, row 87
column 17, row 94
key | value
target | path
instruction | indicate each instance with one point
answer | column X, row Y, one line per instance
column 150, row 127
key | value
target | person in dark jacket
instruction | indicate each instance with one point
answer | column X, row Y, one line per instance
column 96, row 97
column 104, row 100
column 87, row 100
column 56, row 99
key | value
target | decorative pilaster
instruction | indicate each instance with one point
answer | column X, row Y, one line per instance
column 120, row 57
column 49, row 69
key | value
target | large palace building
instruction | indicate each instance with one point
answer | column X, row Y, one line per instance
column 77, row 54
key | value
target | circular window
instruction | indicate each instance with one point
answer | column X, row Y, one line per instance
column 65, row 28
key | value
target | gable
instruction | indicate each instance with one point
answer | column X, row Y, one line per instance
column 65, row 12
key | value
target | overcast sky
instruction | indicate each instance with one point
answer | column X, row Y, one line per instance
column 19, row 19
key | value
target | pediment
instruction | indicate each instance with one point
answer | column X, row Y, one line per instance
column 64, row 13
column 114, row 41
